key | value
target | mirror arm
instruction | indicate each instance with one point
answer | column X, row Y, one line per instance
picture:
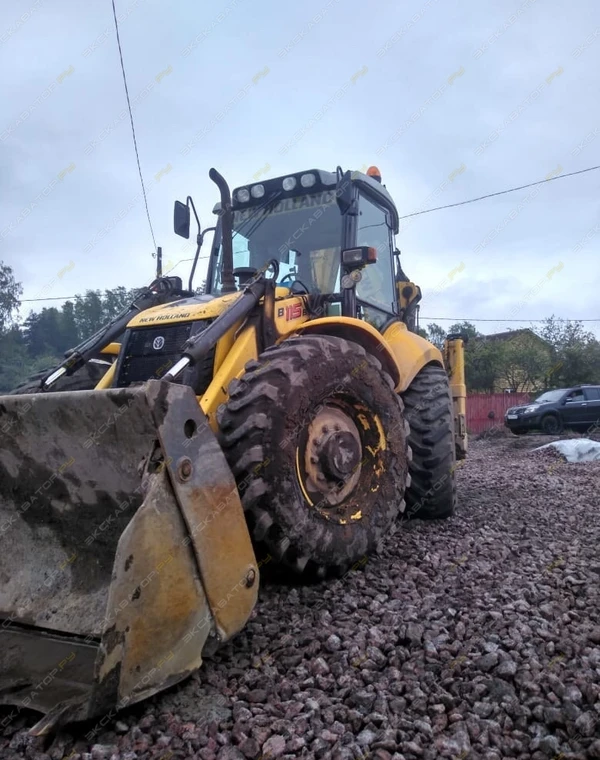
column 190, row 202
column 199, row 241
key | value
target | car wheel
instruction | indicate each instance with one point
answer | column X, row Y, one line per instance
column 551, row 424
column 519, row 431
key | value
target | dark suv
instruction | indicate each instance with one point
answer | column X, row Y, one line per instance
column 566, row 407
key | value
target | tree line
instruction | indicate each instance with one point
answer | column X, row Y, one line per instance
column 40, row 341
column 556, row 354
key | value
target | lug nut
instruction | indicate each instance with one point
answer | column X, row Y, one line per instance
column 314, row 460
column 325, row 429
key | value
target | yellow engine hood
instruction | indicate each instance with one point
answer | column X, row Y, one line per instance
column 191, row 309
column 200, row 307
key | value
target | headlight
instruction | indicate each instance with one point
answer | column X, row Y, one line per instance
column 243, row 195
column 308, row 180
column 529, row 409
column 257, row 191
column 289, row 183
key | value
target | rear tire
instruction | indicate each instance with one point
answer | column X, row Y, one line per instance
column 277, row 432
column 430, row 415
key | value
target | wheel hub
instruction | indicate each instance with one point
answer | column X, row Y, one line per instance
column 339, row 454
column 333, row 454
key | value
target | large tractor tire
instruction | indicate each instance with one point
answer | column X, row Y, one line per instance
column 84, row 379
column 316, row 438
column 430, row 415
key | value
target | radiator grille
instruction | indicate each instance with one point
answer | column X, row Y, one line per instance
column 150, row 352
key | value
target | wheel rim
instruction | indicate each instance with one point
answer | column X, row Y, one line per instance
column 339, row 442
column 551, row 425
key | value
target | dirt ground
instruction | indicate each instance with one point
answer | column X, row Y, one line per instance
column 476, row 637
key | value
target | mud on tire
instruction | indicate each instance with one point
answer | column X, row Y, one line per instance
column 430, row 415
column 271, row 431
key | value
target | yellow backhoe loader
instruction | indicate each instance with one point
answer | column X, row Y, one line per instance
column 290, row 412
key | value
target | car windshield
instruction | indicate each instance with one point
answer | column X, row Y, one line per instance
column 304, row 234
column 549, row 397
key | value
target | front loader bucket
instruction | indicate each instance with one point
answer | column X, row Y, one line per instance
column 123, row 548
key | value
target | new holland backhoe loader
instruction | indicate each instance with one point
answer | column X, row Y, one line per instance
column 291, row 412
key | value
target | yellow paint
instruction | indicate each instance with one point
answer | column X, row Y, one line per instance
column 191, row 310
column 410, row 353
column 364, row 421
column 300, row 479
column 107, row 379
column 454, row 354
column 112, row 349
column 382, row 438
column 356, row 515
column 360, row 332
column 243, row 350
column 224, row 346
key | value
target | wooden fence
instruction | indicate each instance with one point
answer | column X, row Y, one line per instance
column 486, row 410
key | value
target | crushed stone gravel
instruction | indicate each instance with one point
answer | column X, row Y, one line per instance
column 476, row 637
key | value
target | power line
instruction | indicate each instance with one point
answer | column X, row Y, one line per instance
column 137, row 155
column 439, row 319
column 470, row 319
column 500, row 192
column 55, row 298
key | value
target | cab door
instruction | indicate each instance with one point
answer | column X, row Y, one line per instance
column 575, row 409
column 592, row 399
column 376, row 292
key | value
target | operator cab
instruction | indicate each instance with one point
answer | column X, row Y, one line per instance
column 305, row 221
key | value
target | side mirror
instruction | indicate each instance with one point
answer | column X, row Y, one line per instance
column 181, row 219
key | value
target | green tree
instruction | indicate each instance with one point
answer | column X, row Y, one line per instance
column 14, row 358
column 484, row 361
column 575, row 353
column 88, row 312
column 526, row 362
column 467, row 328
column 10, row 290
column 114, row 301
column 436, row 335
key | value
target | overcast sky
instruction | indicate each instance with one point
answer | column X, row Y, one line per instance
column 451, row 99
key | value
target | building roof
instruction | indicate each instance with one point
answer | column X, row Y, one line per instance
column 508, row 334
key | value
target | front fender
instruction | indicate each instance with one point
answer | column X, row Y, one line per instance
column 402, row 353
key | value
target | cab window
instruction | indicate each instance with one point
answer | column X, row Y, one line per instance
column 376, row 287
column 575, row 396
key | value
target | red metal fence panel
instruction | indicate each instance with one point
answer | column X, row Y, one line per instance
column 486, row 410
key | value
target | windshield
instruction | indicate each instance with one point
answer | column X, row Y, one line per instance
column 548, row 397
column 304, row 234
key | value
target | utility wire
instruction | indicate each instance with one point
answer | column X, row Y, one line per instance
column 440, row 319
column 470, row 319
column 416, row 213
column 500, row 192
column 137, row 155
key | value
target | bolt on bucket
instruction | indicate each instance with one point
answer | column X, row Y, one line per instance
column 124, row 550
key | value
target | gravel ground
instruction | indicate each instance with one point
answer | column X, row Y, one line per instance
column 478, row 637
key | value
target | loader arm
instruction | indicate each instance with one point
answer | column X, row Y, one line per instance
column 159, row 292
